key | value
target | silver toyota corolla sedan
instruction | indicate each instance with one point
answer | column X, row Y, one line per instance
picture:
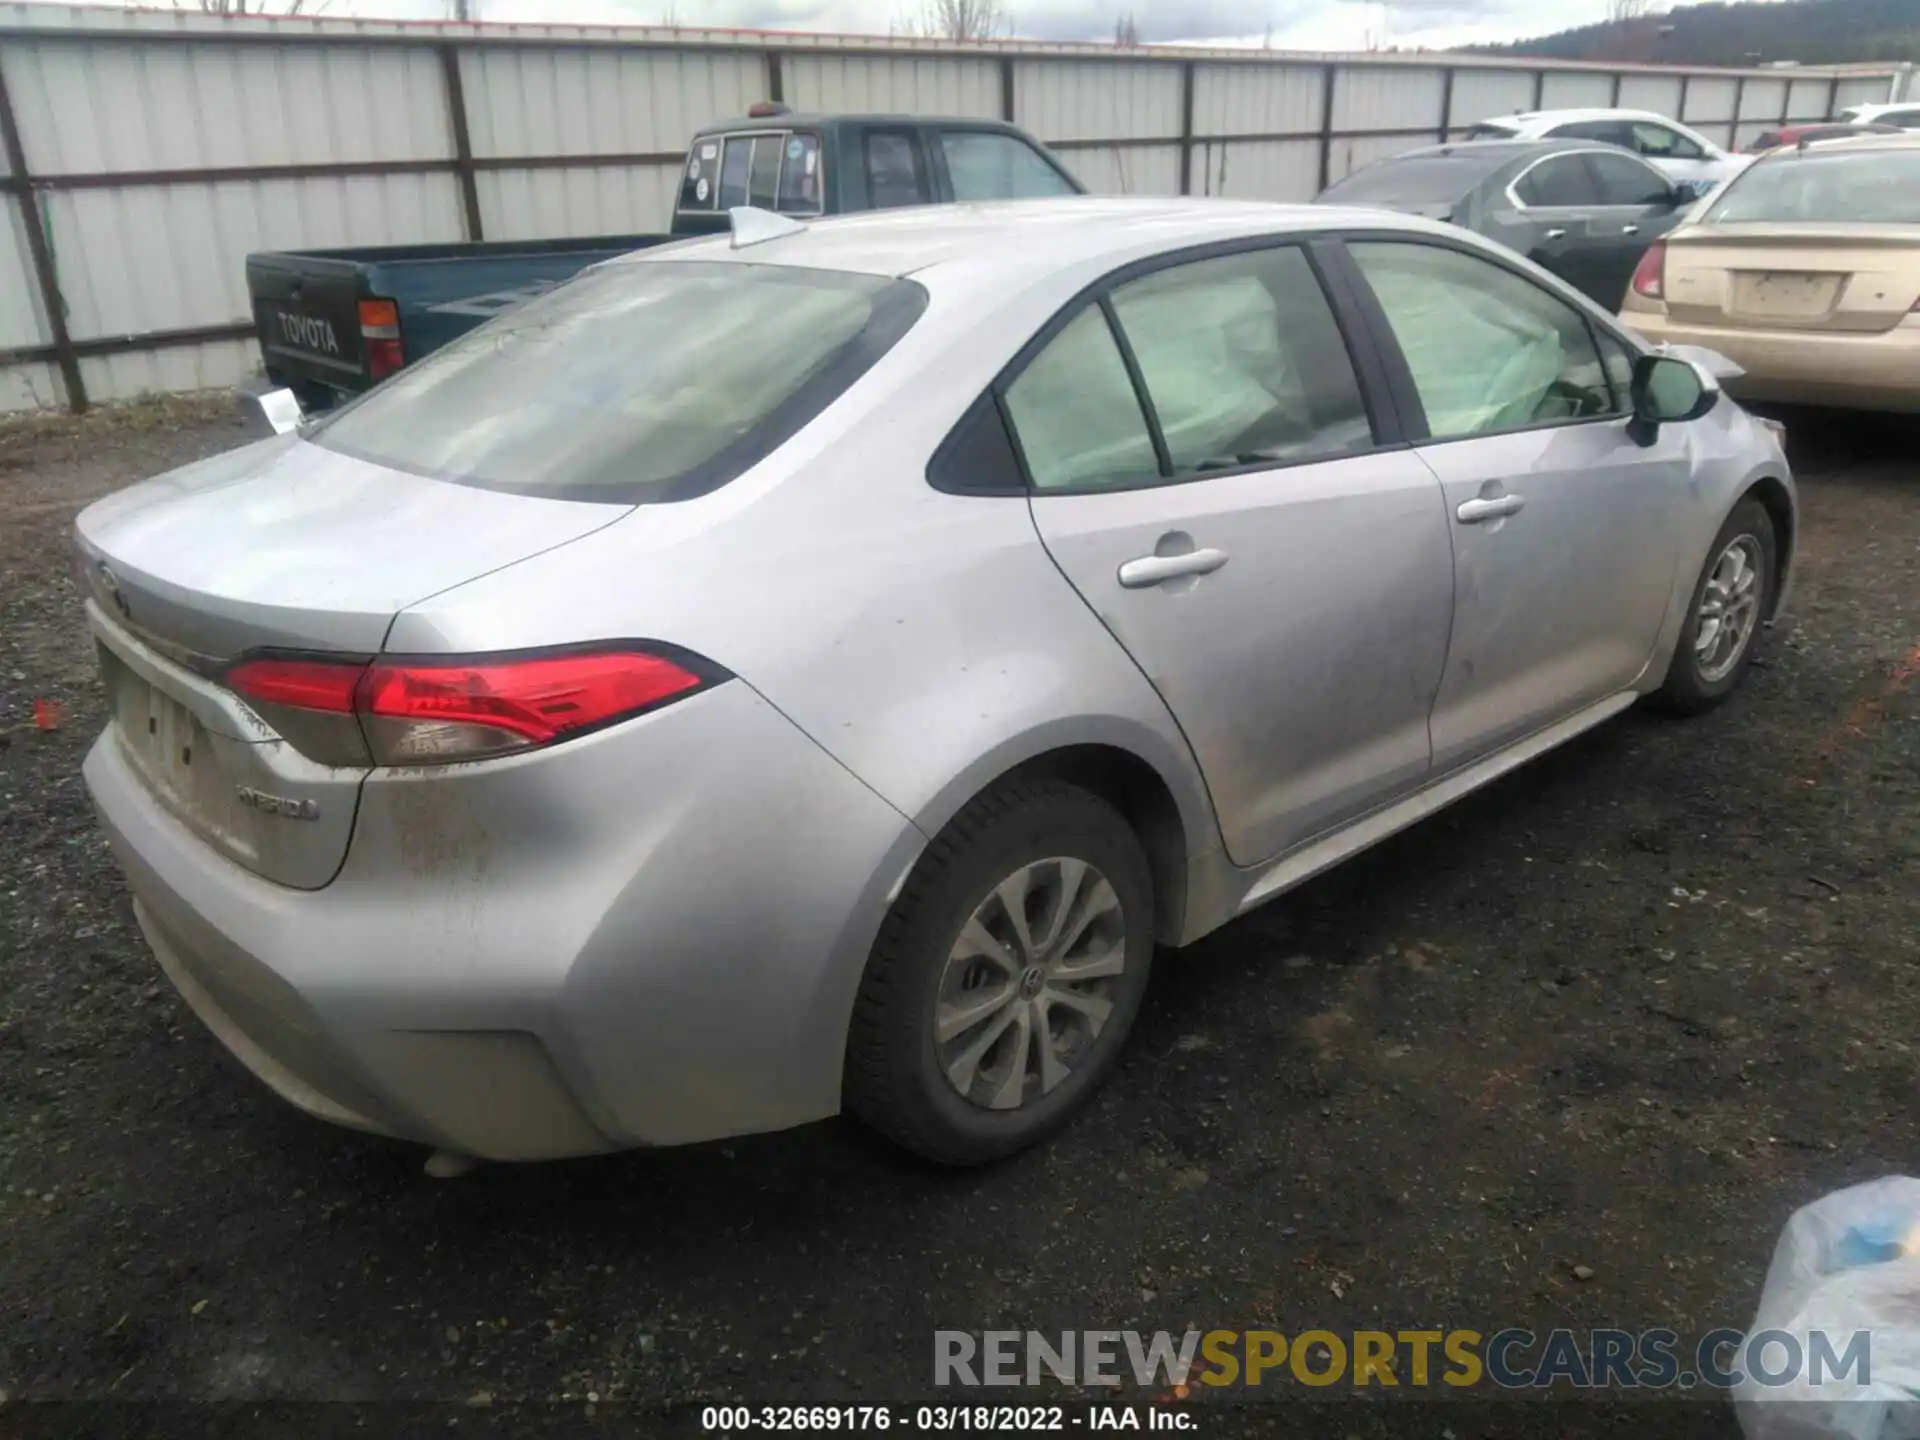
column 813, row 669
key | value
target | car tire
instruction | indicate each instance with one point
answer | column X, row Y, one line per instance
column 1053, row 847
column 1700, row 677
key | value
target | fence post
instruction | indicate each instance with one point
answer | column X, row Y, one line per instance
column 776, row 80
column 40, row 252
column 462, row 139
column 1739, row 104
column 1327, row 73
column 1006, row 88
column 1685, row 82
column 1186, row 127
column 1539, row 89
column 1446, row 104
column 1833, row 97
column 1617, row 78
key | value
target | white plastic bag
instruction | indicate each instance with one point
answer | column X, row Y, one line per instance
column 1846, row 1265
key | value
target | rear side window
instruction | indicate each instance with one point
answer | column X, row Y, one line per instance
column 1243, row 362
column 1488, row 131
column 1560, row 180
column 983, row 165
column 1903, row 119
column 1662, row 143
column 1077, row 414
column 1622, row 180
column 1488, row 350
column 636, row 381
column 894, row 177
column 1614, row 132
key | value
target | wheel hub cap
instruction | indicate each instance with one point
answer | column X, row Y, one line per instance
column 1729, row 609
column 1029, row 983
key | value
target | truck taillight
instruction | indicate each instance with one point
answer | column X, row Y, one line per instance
column 434, row 710
column 1650, row 275
column 380, row 335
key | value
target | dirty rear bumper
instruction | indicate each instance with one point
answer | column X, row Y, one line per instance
column 651, row 935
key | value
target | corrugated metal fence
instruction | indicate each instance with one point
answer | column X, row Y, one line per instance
column 147, row 152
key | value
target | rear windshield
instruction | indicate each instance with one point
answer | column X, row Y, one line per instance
column 637, row 381
column 1857, row 187
column 775, row 170
column 1427, row 180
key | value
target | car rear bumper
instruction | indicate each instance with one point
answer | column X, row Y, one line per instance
column 1862, row 372
column 654, row 939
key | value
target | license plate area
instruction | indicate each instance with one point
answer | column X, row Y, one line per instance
column 175, row 754
column 1785, row 295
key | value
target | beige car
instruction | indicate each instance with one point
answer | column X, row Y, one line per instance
column 1805, row 271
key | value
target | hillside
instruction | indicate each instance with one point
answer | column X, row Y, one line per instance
column 1810, row 31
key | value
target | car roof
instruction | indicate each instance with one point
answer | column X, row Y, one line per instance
column 815, row 121
column 1521, row 147
column 1843, row 144
column 1531, row 118
column 1868, row 112
column 1010, row 241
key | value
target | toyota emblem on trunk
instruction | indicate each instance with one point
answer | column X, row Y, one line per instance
column 111, row 584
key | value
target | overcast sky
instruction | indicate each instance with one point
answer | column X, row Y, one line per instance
column 1293, row 24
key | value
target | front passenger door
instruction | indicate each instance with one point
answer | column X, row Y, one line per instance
column 1204, row 471
column 1565, row 550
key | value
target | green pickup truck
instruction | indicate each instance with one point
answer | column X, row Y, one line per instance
column 333, row 323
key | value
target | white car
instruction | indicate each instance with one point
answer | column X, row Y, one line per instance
column 1906, row 115
column 1670, row 147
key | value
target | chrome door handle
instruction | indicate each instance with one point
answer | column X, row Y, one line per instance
column 1629, row 229
column 1556, row 234
column 1152, row 569
column 1472, row 512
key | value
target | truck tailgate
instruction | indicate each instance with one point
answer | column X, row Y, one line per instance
column 306, row 310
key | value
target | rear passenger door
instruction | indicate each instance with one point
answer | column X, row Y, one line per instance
column 1203, row 468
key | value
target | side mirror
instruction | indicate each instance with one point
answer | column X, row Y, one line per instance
column 1668, row 391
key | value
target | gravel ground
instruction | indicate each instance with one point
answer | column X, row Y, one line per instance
column 1623, row 1011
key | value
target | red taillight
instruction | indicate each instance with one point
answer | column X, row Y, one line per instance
column 380, row 335
column 304, row 684
column 1650, row 275
column 416, row 712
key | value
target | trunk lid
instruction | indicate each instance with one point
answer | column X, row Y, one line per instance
column 1859, row 279
column 306, row 311
column 279, row 545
